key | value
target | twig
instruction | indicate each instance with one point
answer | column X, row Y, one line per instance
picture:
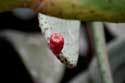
column 101, row 53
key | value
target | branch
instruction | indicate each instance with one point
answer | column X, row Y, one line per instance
column 101, row 52
column 86, row 10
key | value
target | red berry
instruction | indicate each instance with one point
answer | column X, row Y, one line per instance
column 56, row 43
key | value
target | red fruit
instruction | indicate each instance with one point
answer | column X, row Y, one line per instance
column 56, row 43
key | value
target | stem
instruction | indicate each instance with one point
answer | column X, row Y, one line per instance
column 6, row 5
column 101, row 53
column 86, row 10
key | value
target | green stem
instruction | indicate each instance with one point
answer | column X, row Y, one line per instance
column 6, row 5
column 86, row 10
column 101, row 53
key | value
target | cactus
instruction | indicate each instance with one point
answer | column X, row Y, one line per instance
column 86, row 10
column 69, row 30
